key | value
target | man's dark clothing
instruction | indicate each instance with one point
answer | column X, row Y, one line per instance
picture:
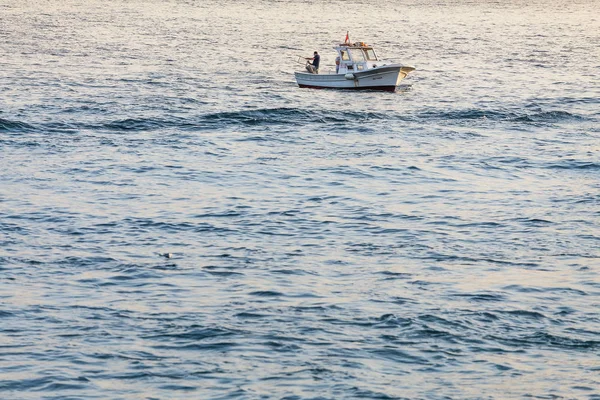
column 316, row 61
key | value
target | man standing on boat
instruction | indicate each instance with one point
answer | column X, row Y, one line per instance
column 313, row 67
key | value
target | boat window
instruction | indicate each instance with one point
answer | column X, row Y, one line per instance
column 357, row 55
column 345, row 55
column 370, row 53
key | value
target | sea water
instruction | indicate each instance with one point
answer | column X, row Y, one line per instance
column 178, row 220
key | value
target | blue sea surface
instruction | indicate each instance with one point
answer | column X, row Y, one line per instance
column 178, row 220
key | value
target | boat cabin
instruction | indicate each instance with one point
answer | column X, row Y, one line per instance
column 355, row 57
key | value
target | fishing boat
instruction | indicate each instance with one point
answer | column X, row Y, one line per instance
column 357, row 67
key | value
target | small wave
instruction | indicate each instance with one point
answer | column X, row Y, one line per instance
column 259, row 116
column 52, row 383
column 295, row 116
column 250, row 315
column 390, row 275
column 11, row 126
column 478, row 297
column 366, row 394
column 548, row 116
column 145, row 223
column 220, row 346
column 292, row 271
column 470, row 114
column 195, row 334
column 575, row 100
column 547, row 339
column 525, row 314
column 534, row 221
column 224, row 214
column 135, row 124
column 537, row 116
column 399, row 356
column 286, row 116
column 266, row 293
column 392, row 321
column 576, row 165
column 224, row 273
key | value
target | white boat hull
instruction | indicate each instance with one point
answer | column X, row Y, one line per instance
column 386, row 77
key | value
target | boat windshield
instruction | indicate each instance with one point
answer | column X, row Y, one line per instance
column 357, row 55
column 370, row 54
column 345, row 55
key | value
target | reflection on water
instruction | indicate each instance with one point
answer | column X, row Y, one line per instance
column 437, row 242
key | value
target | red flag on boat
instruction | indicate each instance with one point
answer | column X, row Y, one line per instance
column 347, row 38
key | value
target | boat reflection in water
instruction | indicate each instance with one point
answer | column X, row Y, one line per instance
column 357, row 67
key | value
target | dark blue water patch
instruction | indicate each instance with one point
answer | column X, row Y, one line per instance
column 7, row 227
column 391, row 275
column 145, row 224
column 458, row 135
column 439, row 257
column 62, row 386
column 481, row 297
column 195, row 333
column 574, row 100
column 547, row 340
column 361, row 393
column 482, row 224
column 401, row 300
column 575, row 165
column 494, row 349
column 468, row 114
column 588, row 237
column 137, row 376
column 397, row 355
column 212, row 346
column 291, row 271
column 252, row 315
column 152, row 278
column 223, row 214
column 392, row 321
column 567, row 290
column 286, row 116
column 585, row 332
column 224, row 273
column 51, row 216
column 266, row 293
column 346, row 170
column 504, row 162
column 60, row 127
column 430, row 319
column 281, row 347
column 128, row 356
column 183, row 388
column 80, row 261
column 581, row 199
column 44, row 384
column 536, row 222
column 139, row 124
column 523, row 289
column 438, row 334
column 524, row 313
column 549, row 116
column 532, row 289
column 259, row 117
column 519, row 116
column 14, row 126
